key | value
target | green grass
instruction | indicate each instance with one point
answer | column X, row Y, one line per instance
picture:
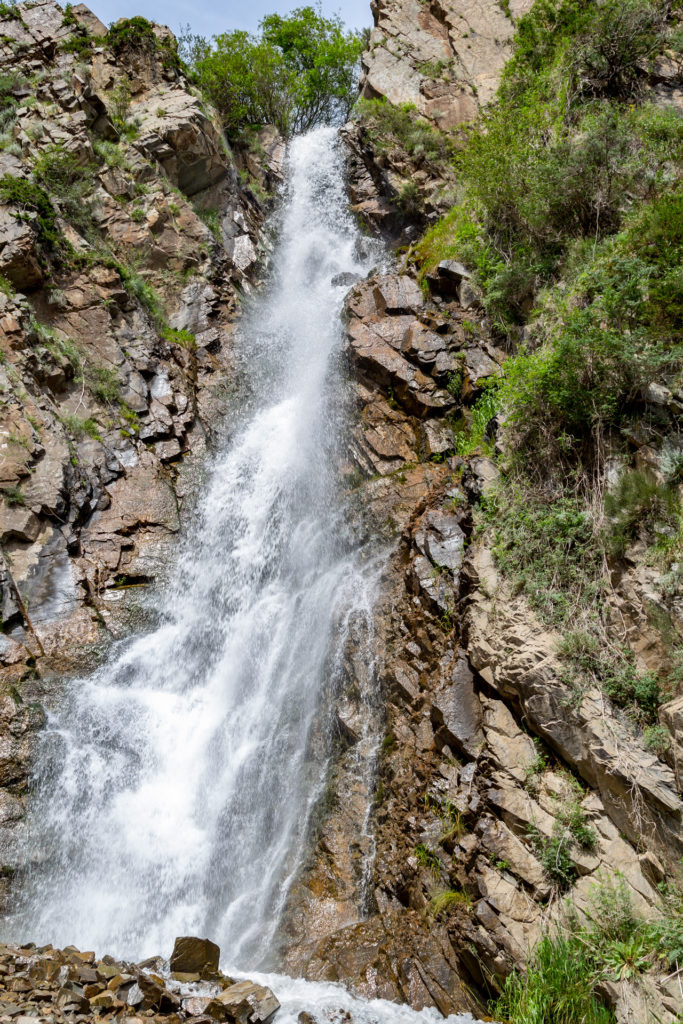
column 79, row 427
column 13, row 496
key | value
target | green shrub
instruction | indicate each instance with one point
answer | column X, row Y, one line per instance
column 546, row 548
column 78, row 427
column 28, row 197
column 447, row 900
column 68, row 181
column 135, row 36
column 179, row 337
column 639, row 501
column 666, row 932
column 104, row 384
column 298, row 72
column 390, row 125
column 427, row 858
column 554, row 853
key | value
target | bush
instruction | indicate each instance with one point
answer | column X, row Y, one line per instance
column 28, row 197
column 69, row 182
column 297, row 73
column 639, row 501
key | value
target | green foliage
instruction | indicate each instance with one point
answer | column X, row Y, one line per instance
column 427, row 858
column 143, row 291
column 563, row 972
column 445, row 901
column 78, row 427
column 484, row 410
column 666, row 933
column 13, row 495
column 8, row 11
column 212, row 220
column 104, row 384
column 179, row 337
column 640, row 501
column 554, row 853
column 390, row 125
column 591, row 661
column 110, row 153
column 69, row 182
column 558, row 987
column 657, row 738
column 546, row 548
column 29, row 198
column 298, row 72
column 135, row 36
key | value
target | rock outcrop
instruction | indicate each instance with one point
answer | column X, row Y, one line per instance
column 445, row 58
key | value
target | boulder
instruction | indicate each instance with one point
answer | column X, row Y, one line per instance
column 195, row 956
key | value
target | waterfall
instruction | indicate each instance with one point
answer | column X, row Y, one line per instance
column 176, row 784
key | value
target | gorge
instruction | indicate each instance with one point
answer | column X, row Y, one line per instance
column 299, row 654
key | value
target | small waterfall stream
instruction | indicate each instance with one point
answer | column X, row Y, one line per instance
column 177, row 782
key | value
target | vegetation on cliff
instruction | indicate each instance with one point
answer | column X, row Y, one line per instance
column 298, row 72
column 571, row 218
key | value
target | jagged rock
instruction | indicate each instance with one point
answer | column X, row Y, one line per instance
column 19, row 261
column 456, row 709
column 445, row 59
column 248, row 1003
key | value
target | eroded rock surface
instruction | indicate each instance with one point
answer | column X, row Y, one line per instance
column 466, row 799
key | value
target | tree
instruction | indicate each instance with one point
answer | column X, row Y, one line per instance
column 298, row 72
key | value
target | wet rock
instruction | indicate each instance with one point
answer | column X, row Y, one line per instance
column 192, row 955
column 248, row 1003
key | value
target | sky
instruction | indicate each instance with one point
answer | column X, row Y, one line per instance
column 209, row 19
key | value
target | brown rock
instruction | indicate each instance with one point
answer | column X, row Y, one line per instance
column 193, row 955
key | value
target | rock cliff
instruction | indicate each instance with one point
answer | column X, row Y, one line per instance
column 502, row 790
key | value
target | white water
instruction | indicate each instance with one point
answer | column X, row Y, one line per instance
column 178, row 781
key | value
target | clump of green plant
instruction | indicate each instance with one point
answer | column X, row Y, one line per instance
column 558, row 985
column 640, row 501
column 212, row 220
column 104, row 384
column 14, row 496
column 110, row 153
column 69, row 182
column 475, row 435
column 427, row 858
column 566, row 967
column 27, row 197
column 592, row 662
column 547, row 550
column 389, row 125
column 179, row 337
column 78, row 427
column 445, row 901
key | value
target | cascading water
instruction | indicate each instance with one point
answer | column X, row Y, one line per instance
column 177, row 782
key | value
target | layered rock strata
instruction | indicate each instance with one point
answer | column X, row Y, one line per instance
column 487, row 749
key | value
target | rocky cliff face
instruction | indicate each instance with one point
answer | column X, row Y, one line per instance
column 127, row 236
column 489, row 758
column 493, row 768
column 445, row 58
